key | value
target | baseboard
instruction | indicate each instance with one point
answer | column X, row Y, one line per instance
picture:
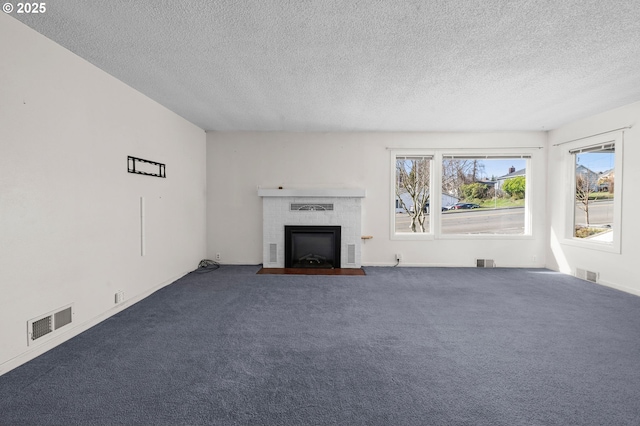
column 630, row 290
column 446, row 265
column 35, row 352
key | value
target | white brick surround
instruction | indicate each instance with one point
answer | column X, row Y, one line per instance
column 276, row 213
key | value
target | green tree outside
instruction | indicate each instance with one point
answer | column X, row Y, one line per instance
column 474, row 191
column 515, row 187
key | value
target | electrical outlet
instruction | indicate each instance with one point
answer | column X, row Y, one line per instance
column 119, row 297
column 218, row 257
column 398, row 257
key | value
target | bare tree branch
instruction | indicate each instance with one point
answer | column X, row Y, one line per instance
column 583, row 191
column 412, row 178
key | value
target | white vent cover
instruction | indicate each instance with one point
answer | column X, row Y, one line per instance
column 587, row 275
column 301, row 207
column 47, row 324
column 351, row 254
column 273, row 253
column 485, row 263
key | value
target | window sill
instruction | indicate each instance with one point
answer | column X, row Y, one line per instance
column 412, row 236
column 485, row 237
column 592, row 245
column 419, row 236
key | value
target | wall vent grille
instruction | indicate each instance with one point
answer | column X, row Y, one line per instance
column 273, row 253
column 485, row 263
column 351, row 254
column 62, row 318
column 587, row 275
column 41, row 327
column 301, row 207
column 45, row 325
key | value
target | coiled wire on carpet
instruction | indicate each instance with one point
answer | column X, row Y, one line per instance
column 206, row 265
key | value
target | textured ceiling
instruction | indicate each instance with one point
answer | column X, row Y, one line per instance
column 376, row 65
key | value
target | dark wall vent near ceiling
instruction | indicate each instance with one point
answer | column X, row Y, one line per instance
column 140, row 166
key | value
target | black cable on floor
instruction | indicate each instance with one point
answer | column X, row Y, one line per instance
column 206, row 265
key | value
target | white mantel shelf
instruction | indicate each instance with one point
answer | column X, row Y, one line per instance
column 314, row 192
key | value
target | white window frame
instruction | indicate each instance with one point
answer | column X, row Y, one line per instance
column 569, row 209
column 428, row 235
column 435, row 186
column 504, row 154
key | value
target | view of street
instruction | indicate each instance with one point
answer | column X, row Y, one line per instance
column 476, row 221
column 600, row 213
column 503, row 221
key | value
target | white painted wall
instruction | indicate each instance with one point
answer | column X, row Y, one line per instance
column 616, row 269
column 237, row 163
column 69, row 211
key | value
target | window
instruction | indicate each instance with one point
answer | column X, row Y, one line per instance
column 485, row 195
column 460, row 195
column 412, row 194
column 596, row 193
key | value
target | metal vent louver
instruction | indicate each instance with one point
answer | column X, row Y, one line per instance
column 62, row 318
column 485, row 263
column 587, row 275
column 301, row 207
column 351, row 254
column 41, row 327
column 273, row 253
column 47, row 324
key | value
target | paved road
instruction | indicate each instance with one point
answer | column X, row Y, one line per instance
column 600, row 213
column 503, row 221
column 477, row 221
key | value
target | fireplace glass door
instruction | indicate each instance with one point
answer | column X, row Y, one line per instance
column 312, row 246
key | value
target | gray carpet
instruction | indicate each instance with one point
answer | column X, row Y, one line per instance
column 399, row 346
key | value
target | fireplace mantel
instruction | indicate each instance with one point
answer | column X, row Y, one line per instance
column 313, row 192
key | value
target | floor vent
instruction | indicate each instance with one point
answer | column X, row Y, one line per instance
column 47, row 324
column 587, row 275
column 485, row 263
column 351, row 254
column 273, row 253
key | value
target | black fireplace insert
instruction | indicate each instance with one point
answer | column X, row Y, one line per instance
column 312, row 246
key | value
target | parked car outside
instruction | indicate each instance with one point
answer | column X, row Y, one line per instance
column 458, row 206
column 425, row 209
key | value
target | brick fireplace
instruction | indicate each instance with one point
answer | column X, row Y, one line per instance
column 314, row 208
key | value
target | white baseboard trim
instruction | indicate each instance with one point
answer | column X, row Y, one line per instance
column 34, row 352
column 626, row 289
column 445, row 265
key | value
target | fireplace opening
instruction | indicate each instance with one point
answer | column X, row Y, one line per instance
column 312, row 246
